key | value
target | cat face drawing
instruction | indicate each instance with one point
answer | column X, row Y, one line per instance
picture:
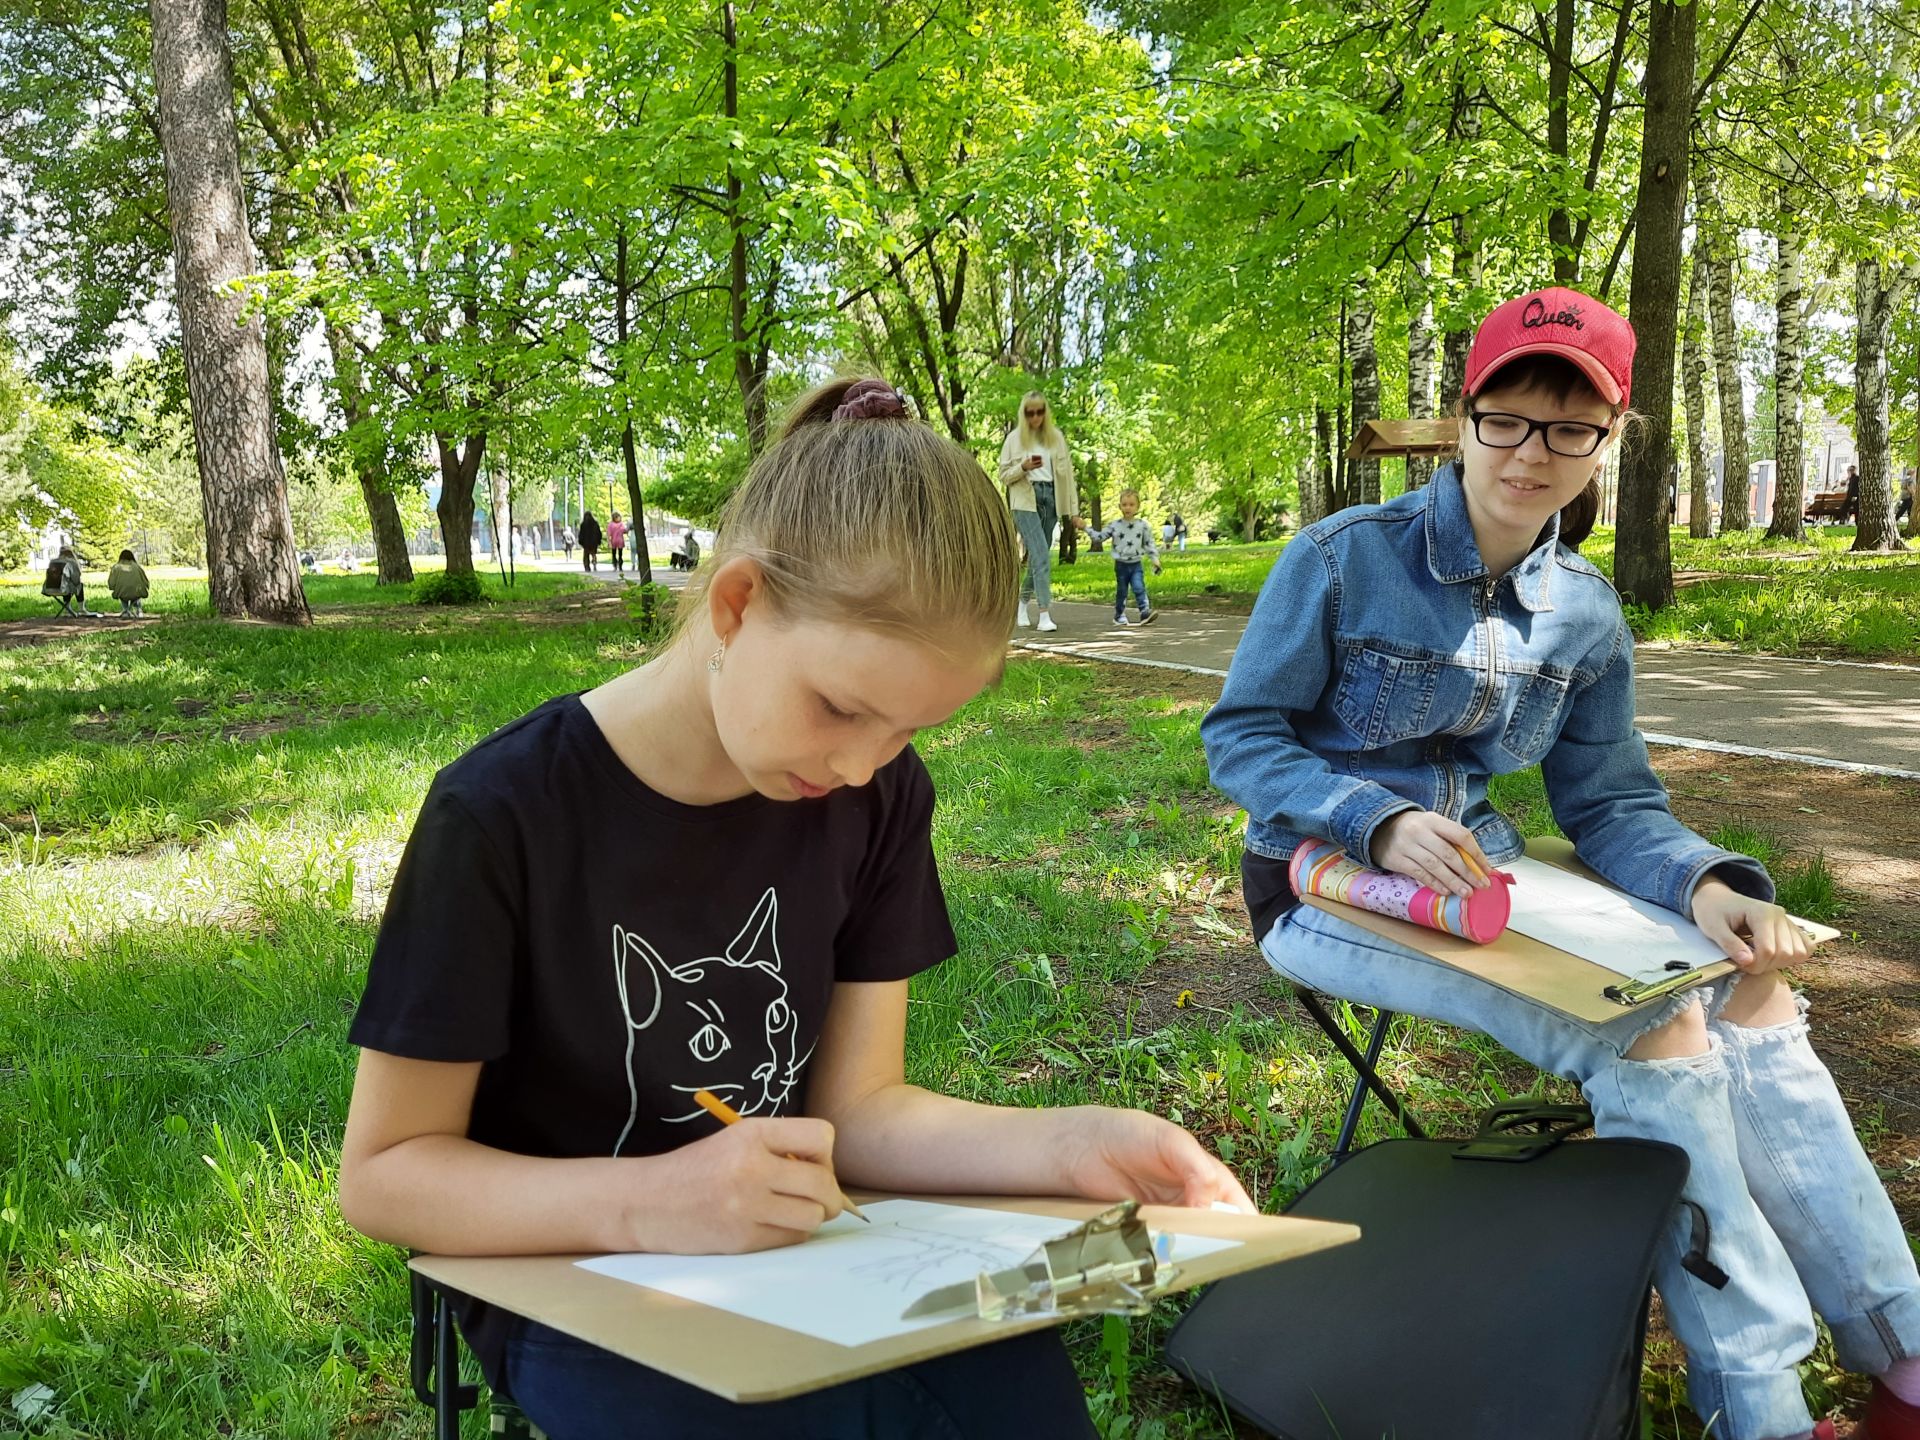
column 721, row 1023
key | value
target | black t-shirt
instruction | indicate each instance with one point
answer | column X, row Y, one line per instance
column 606, row 951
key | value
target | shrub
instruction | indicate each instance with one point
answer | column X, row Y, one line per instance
column 443, row 588
column 652, row 608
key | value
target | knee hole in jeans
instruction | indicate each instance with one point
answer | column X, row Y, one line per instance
column 1684, row 1035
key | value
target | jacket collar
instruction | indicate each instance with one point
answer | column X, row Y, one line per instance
column 1453, row 556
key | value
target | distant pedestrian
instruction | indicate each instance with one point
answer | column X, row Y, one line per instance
column 127, row 583
column 589, row 542
column 1037, row 470
column 1850, row 507
column 1905, row 505
column 617, row 543
column 1133, row 545
column 567, row 541
column 1179, row 529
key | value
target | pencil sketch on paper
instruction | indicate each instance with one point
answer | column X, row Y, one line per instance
column 849, row 1282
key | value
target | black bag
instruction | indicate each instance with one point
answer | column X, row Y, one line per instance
column 1499, row 1290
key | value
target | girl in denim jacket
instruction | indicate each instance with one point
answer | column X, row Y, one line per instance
column 1402, row 654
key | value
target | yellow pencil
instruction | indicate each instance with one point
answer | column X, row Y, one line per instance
column 1474, row 867
column 727, row 1115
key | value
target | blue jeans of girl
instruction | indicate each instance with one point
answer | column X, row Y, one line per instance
column 1026, row 1386
column 1129, row 575
column 1799, row 1218
column 1036, row 537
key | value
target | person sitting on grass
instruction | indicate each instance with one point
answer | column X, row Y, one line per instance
column 1132, row 540
column 127, row 583
column 552, row 983
column 1401, row 655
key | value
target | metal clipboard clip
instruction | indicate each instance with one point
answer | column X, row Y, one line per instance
column 1638, row 992
column 1108, row 1265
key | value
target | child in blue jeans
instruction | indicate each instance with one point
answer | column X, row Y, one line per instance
column 1401, row 655
column 1132, row 538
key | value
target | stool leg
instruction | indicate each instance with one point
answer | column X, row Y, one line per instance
column 1363, row 1065
column 446, row 1365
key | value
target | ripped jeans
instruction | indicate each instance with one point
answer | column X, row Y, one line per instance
column 1800, row 1220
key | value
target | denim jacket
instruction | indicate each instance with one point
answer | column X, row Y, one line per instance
column 1385, row 669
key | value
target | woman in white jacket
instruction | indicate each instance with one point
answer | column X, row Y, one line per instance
column 1038, row 473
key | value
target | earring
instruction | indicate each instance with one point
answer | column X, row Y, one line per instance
column 717, row 659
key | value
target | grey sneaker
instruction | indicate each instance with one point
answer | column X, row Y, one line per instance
column 1147, row 617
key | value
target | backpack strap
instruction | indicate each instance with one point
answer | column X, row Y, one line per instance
column 1524, row 1130
column 1695, row 1261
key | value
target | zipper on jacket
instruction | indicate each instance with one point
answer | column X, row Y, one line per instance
column 1483, row 618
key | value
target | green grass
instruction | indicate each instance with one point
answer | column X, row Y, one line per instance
column 1803, row 597
column 189, row 891
column 178, row 591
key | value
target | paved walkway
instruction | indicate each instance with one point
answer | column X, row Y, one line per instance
column 1854, row 716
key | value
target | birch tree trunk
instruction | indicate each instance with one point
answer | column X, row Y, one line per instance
column 1643, row 557
column 1875, row 296
column 1693, row 385
column 1723, row 259
column 253, row 567
column 1789, row 371
column 1364, row 477
column 1419, row 365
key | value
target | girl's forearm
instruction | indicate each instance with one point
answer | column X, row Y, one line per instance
column 450, row 1195
column 908, row 1139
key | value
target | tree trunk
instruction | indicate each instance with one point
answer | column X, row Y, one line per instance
column 1643, row 558
column 1875, row 296
column 1789, row 371
column 253, row 567
column 1693, row 387
column 1316, row 486
column 750, row 377
column 1466, row 268
column 1723, row 258
column 1363, row 484
column 383, row 512
column 1419, row 366
column 636, row 501
column 1566, row 262
column 459, row 468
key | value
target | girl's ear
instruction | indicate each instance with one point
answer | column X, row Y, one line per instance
column 734, row 588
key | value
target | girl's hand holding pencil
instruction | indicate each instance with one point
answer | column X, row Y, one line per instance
column 757, row 1184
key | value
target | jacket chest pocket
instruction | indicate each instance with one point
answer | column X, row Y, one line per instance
column 1384, row 699
column 1535, row 722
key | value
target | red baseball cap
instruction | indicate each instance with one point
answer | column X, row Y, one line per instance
column 1556, row 321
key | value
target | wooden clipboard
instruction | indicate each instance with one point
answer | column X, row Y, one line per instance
column 1569, row 983
column 748, row 1360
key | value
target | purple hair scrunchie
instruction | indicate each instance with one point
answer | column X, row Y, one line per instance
column 870, row 400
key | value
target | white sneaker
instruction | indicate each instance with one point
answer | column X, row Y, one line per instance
column 1120, row 620
column 1021, row 616
column 1045, row 622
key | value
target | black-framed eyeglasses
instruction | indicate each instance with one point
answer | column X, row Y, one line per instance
column 1573, row 439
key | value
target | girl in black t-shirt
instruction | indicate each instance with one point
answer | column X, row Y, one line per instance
column 553, row 980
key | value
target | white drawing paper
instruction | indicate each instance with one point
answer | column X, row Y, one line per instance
column 849, row 1282
column 1596, row 922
